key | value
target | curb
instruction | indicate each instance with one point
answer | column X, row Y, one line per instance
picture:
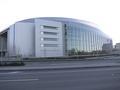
column 57, row 68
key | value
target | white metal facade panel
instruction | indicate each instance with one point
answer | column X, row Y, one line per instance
column 21, row 39
column 24, row 39
column 10, row 41
column 40, row 49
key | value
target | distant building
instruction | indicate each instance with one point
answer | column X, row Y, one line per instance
column 53, row 37
column 116, row 49
column 107, row 48
column 117, row 46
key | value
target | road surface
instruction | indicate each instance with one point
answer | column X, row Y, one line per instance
column 77, row 79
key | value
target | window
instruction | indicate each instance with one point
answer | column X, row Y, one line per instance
column 41, row 45
column 41, row 33
column 41, row 39
column 50, row 33
column 41, row 27
column 50, row 27
column 50, row 39
column 50, row 45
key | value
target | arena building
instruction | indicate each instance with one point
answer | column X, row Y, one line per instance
column 52, row 37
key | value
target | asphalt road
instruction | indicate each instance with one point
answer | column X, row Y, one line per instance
column 85, row 79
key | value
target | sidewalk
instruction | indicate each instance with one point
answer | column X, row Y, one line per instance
column 57, row 66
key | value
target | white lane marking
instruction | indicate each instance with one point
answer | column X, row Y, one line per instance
column 14, row 72
column 11, row 72
column 19, row 80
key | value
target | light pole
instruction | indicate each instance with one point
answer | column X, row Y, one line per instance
column 44, row 52
column 1, row 49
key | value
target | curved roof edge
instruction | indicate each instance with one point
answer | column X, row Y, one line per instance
column 64, row 19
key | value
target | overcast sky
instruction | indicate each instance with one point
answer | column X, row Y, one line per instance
column 105, row 13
